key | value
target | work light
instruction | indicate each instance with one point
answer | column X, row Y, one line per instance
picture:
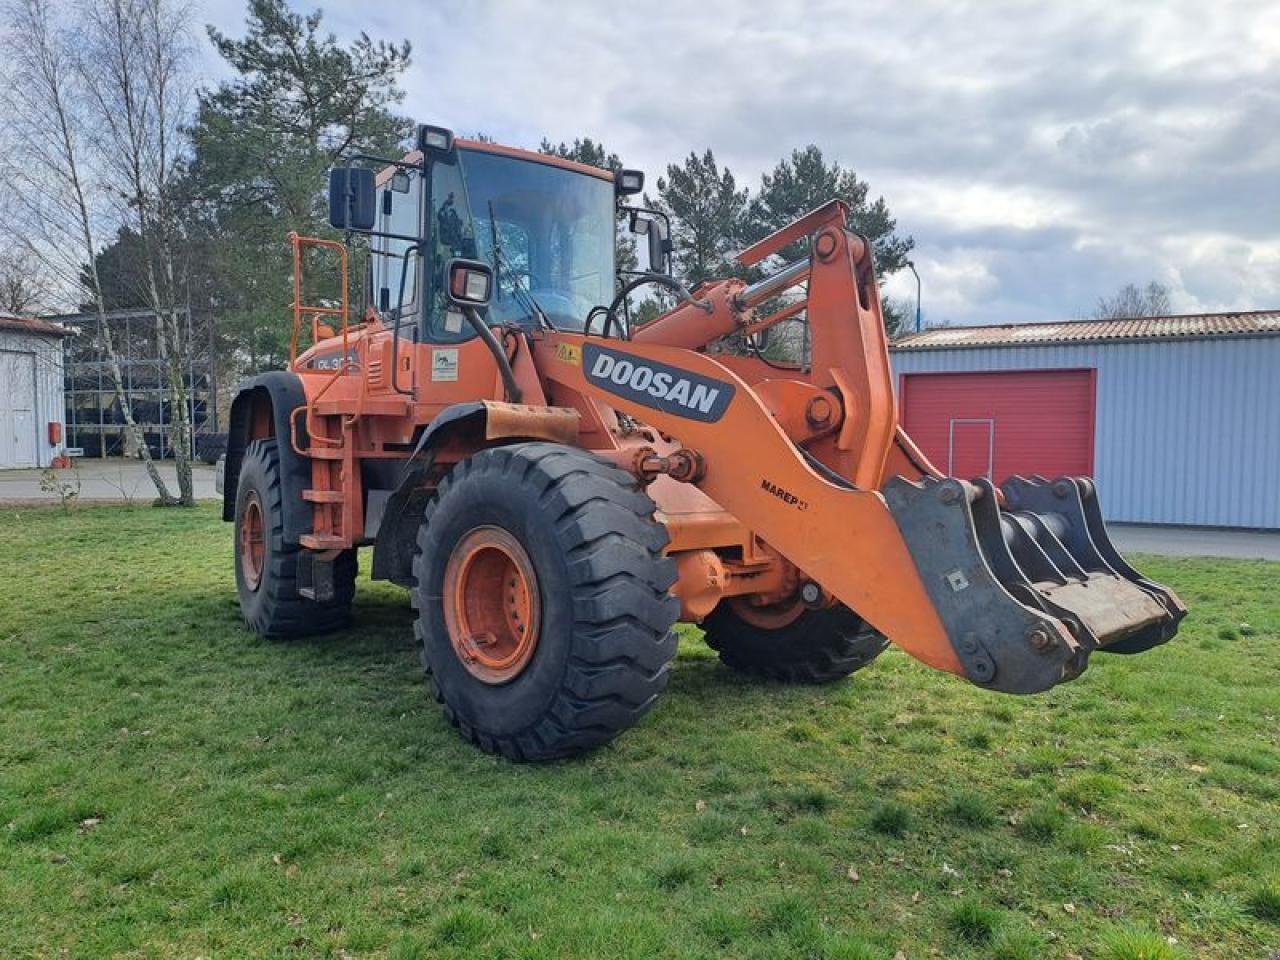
column 629, row 182
column 434, row 139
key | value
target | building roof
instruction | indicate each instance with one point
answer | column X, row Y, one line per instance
column 1193, row 326
column 11, row 321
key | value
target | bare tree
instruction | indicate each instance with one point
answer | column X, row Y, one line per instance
column 134, row 59
column 23, row 290
column 58, row 209
column 1130, row 301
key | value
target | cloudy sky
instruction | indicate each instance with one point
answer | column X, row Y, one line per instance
column 1041, row 154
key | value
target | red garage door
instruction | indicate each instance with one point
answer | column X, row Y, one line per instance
column 1000, row 423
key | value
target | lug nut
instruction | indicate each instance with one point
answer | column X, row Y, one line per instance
column 811, row 593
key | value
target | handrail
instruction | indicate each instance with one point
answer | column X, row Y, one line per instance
column 314, row 312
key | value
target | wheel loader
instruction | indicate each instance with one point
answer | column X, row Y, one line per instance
column 558, row 485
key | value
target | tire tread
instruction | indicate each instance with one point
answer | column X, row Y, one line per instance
column 623, row 639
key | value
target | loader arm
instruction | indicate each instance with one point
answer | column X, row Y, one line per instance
column 1012, row 589
column 844, row 539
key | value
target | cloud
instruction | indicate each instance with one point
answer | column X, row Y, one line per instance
column 1041, row 154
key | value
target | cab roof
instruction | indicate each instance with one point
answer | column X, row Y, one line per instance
column 534, row 156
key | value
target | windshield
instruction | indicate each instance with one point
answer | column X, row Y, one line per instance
column 548, row 232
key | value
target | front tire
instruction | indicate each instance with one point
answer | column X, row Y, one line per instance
column 544, row 618
column 817, row 646
column 267, row 567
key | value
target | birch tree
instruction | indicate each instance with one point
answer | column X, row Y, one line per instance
column 134, row 62
column 57, row 208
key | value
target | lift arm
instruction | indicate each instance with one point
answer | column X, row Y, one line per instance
column 1013, row 599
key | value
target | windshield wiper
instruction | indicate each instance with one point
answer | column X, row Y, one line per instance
column 526, row 298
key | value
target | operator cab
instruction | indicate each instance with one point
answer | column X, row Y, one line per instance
column 545, row 225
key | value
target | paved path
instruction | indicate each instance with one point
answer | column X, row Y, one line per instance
column 1196, row 542
column 112, row 481
column 118, row 480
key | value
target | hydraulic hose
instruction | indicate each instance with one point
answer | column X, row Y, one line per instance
column 660, row 279
column 514, row 394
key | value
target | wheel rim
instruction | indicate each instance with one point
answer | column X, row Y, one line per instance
column 253, row 546
column 492, row 610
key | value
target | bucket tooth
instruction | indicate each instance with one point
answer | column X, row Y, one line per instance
column 1025, row 579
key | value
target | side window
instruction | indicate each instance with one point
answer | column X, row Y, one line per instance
column 388, row 256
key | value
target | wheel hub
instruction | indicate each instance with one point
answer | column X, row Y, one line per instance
column 492, row 609
column 253, row 547
column 773, row 616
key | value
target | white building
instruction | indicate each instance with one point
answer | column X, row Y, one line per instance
column 31, row 398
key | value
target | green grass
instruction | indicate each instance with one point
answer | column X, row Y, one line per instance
column 171, row 786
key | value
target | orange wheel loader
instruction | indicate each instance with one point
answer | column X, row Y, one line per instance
column 557, row 486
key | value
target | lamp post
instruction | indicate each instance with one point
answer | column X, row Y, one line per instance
column 912, row 267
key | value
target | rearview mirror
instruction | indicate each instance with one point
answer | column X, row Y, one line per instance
column 654, row 230
column 470, row 282
column 352, row 198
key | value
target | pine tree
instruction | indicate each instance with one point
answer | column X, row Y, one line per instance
column 263, row 142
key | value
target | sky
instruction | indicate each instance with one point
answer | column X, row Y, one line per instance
column 1041, row 154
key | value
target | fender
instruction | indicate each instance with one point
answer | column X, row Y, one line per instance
column 283, row 391
column 484, row 423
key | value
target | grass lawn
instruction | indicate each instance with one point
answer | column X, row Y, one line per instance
column 171, row 786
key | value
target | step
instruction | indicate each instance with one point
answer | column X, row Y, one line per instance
column 322, row 496
column 369, row 407
column 322, row 541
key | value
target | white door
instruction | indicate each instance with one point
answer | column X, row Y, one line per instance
column 17, row 409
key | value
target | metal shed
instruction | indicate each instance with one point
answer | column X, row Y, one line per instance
column 1177, row 417
column 30, row 391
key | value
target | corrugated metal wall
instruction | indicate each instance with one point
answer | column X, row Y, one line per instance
column 1187, row 432
column 46, row 354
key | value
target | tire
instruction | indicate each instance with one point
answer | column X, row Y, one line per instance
column 597, row 592
column 268, row 584
column 819, row 646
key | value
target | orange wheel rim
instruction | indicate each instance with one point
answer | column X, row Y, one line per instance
column 253, row 546
column 492, row 609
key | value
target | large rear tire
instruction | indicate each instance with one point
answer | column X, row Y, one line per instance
column 544, row 616
column 818, row 646
column 267, row 567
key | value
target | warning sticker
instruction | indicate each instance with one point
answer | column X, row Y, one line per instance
column 569, row 353
column 444, row 365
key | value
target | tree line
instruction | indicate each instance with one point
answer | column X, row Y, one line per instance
column 128, row 185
